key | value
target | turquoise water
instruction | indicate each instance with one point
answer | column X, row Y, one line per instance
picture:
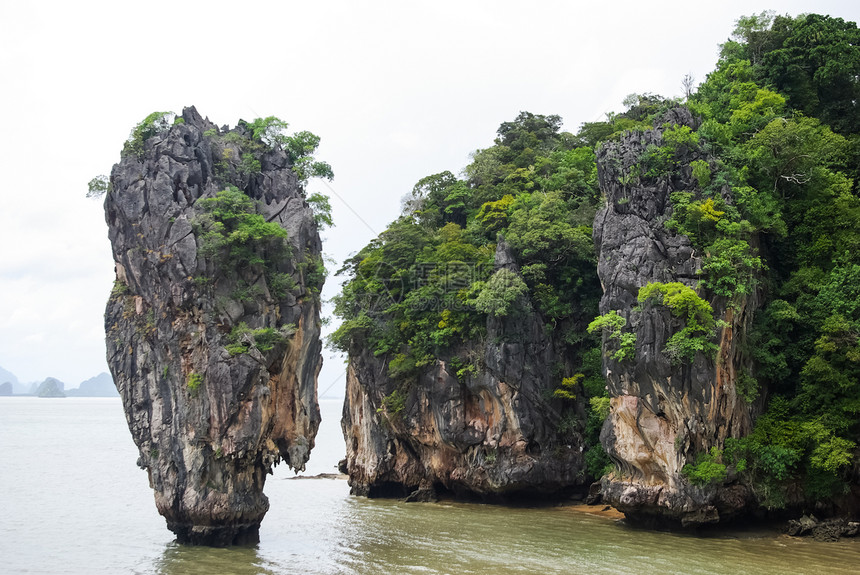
column 73, row 501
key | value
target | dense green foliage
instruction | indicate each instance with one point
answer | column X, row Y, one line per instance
column 427, row 288
column 153, row 124
column 427, row 283
column 697, row 315
column 612, row 324
column 773, row 212
column 780, row 113
column 232, row 233
column 707, row 469
column 812, row 60
column 231, row 230
column 497, row 296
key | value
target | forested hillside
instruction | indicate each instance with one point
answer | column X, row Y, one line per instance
column 773, row 217
column 781, row 113
column 427, row 285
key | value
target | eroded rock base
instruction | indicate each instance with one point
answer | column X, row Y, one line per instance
column 216, row 536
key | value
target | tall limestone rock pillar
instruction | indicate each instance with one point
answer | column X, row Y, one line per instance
column 213, row 323
column 663, row 412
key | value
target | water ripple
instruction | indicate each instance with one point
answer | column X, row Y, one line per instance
column 73, row 502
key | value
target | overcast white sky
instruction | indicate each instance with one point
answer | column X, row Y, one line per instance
column 396, row 90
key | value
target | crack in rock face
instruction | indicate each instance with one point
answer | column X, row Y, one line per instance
column 213, row 341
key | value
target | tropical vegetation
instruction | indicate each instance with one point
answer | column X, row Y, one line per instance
column 775, row 215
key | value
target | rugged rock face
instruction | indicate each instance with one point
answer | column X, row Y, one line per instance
column 6, row 388
column 210, row 423
column 829, row 530
column 662, row 414
column 490, row 434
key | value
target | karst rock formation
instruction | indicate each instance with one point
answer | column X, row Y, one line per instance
column 491, row 434
column 663, row 413
column 212, row 340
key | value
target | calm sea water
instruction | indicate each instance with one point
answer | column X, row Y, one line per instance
column 73, row 501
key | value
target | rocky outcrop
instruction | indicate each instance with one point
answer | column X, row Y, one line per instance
column 829, row 530
column 101, row 385
column 6, row 375
column 6, row 388
column 491, row 433
column 51, row 387
column 214, row 352
column 663, row 413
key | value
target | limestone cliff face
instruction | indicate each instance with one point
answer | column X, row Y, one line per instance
column 488, row 434
column 662, row 414
column 210, row 423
